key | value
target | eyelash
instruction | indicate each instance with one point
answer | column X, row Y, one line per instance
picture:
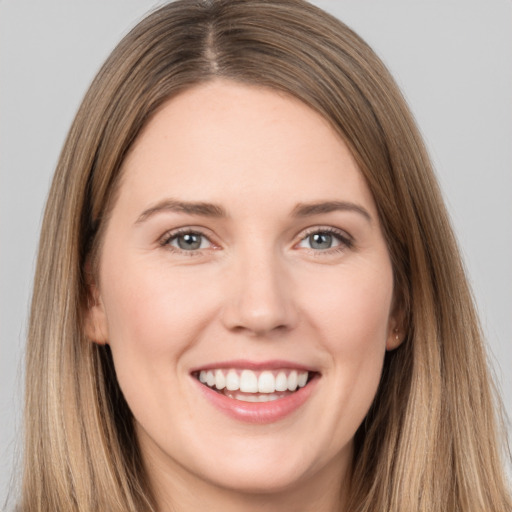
column 166, row 240
column 345, row 241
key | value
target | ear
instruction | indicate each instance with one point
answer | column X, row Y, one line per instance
column 95, row 319
column 396, row 329
column 395, row 338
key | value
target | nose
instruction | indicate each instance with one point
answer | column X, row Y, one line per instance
column 260, row 298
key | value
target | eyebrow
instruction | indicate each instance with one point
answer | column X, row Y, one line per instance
column 212, row 210
column 191, row 208
column 310, row 209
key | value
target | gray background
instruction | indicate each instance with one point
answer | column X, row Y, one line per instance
column 452, row 58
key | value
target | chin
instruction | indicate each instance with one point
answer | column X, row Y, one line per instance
column 260, row 479
column 273, row 466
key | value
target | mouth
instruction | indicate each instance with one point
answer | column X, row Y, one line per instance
column 248, row 385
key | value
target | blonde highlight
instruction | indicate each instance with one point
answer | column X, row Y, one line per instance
column 435, row 394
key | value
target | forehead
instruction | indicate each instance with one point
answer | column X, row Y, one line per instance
column 225, row 140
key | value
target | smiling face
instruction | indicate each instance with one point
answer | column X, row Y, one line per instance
column 246, row 291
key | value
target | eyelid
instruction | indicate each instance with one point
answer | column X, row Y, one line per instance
column 165, row 239
column 345, row 239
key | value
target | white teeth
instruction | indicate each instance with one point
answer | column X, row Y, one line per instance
column 232, row 381
column 247, row 398
column 248, row 382
column 268, row 398
column 281, row 382
column 255, row 398
column 292, row 381
column 266, row 383
column 302, row 379
column 220, row 380
column 210, row 379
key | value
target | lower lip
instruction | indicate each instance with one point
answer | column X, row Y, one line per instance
column 258, row 412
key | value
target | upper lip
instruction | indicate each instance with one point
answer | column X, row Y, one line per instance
column 274, row 364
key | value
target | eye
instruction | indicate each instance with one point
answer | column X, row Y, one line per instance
column 186, row 241
column 321, row 241
column 325, row 239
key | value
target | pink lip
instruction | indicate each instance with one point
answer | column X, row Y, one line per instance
column 258, row 412
column 275, row 364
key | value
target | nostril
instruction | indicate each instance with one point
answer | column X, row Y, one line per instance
column 260, row 330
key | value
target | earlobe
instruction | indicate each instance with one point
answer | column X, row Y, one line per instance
column 397, row 323
column 395, row 339
column 95, row 320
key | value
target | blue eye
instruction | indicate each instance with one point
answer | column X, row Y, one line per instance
column 187, row 241
column 323, row 240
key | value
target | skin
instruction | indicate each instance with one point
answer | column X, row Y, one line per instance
column 257, row 289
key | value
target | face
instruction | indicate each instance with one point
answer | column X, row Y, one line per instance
column 246, row 291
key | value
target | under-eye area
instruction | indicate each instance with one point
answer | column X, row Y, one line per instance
column 255, row 386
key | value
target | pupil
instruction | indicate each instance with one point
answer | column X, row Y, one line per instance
column 321, row 241
column 189, row 241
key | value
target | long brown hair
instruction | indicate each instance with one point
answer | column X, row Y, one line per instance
column 430, row 441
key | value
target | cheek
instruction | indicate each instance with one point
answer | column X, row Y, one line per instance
column 154, row 314
column 351, row 314
column 154, row 317
column 352, row 309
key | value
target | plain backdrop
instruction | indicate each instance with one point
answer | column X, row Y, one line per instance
column 452, row 58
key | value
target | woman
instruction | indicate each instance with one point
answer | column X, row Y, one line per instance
column 248, row 295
